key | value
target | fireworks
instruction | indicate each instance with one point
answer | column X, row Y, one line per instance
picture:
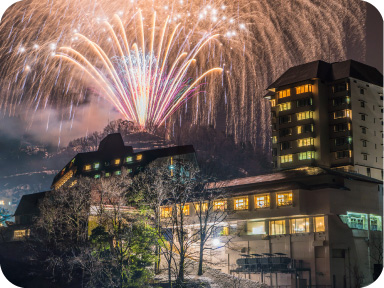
column 259, row 39
column 141, row 84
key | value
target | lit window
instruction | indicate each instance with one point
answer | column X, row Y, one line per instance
column 20, row 234
column 286, row 158
column 307, row 155
column 273, row 103
column 304, row 115
column 129, row 171
column 165, row 212
column 64, row 179
column 285, row 106
column 128, row 159
column 305, row 128
column 262, row 201
column 284, row 199
column 96, row 165
column 241, row 203
column 1, row 202
column 118, row 172
column 220, row 205
column 97, row 176
column 375, row 221
column 284, row 93
column 300, row 225
column 87, row 167
column 277, row 227
column 303, row 89
column 224, row 231
column 107, row 174
column 355, row 220
column 139, row 157
column 318, row 224
column 256, row 227
column 203, row 206
column 73, row 184
column 274, row 139
column 347, row 113
column 185, row 209
column 305, row 142
column 343, row 154
column 116, row 161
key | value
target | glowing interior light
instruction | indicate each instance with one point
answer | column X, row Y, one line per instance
column 216, row 242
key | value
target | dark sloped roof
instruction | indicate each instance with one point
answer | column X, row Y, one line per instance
column 29, row 204
column 329, row 72
column 170, row 151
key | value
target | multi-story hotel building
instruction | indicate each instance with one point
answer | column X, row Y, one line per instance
column 328, row 115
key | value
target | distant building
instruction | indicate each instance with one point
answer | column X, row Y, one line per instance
column 112, row 156
column 328, row 115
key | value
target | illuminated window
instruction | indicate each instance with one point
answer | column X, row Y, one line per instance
column 97, row 176
column 375, row 222
column 203, row 206
column 303, row 89
column 305, row 128
column 107, row 174
column 224, row 231
column 343, row 154
column 355, row 220
column 72, row 162
column 96, row 165
column 277, row 227
column 262, row 201
column 73, row 183
column 307, row 155
column 305, row 142
column 128, row 159
column 286, row 158
column 285, row 106
column 284, row 93
column 139, row 157
column 256, row 227
column 304, row 115
column 300, row 225
column 129, row 171
column 64, row 179
column 347, row 113
column 20, row 234
column 220, row 205
column 117, row 172
column 1, row 202
column 241, row 203
column 185, row 209
column 87, row 167
column 116, row 161
column 284, row 199
column 274, row 139
column 318, row 224
column 273, row 103
column 165, row 212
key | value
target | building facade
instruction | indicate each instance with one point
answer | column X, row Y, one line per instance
column 307, row 226
column 328, row 115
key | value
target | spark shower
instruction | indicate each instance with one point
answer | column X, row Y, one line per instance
column 259, row 39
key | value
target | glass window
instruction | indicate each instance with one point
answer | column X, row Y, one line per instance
column 256, row 227
column 220, row 205
column 20, row 234
column 304, row 115
column 355, row 220
column 128, row 159
column 118, row 172
column 273, row 103
column 116, row 161
column 262, row 201
column 305, row 128
column 87, row 167
column 375, row 221
column 284, row 199
column 277, row 227
column 285, row 106
column 305, row 142
column 96, row 165
column 307, row 155
column 107, row 174
column 343, row 154
column 185, row 209
column 203, row 206
column 286, row 158
column 300, row 225
column 274, row 139
column 304, row 102
column 285, row 119
column 241, row 203
column 139, row 157
column 303, row 89
column 319, row 224
column 225, row 231
column 165, row 212
column 342, row 114
column 1, row 202
column 284, row 93
column 97, row 176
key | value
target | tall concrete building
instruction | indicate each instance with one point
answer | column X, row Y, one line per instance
column 328, row 115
